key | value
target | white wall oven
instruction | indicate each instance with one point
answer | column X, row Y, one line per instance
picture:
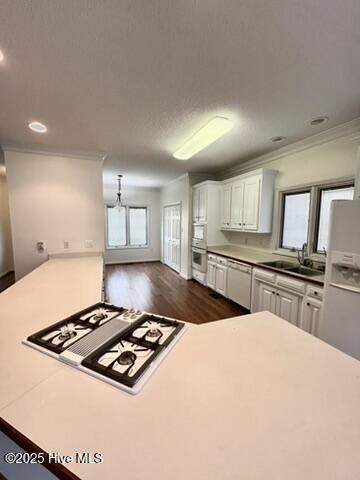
column 199, row 233
column 198, row 259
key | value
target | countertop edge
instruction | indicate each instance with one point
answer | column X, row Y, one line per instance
column 266, row 267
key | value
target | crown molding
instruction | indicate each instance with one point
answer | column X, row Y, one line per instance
column 349, row 130
column 184, row 175
column 98, row 156
column 355, row 139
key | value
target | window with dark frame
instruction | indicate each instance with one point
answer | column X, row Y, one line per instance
column 127, row 227
column 295, row 219
column 305, row 215
column 326, row 196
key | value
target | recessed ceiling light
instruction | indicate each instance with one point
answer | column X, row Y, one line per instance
column 209, row 133
column 278, row 139
column 319, row 120
column 37, row 127
column 1, row 56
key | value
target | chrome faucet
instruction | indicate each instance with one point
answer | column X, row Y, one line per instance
column 302, row 254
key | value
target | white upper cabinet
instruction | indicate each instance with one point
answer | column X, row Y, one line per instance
column 252, row 188
column 199, row 204
column 237, row 203
column 247, row 201
column 225, row 216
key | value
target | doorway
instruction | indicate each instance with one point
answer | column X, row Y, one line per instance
column 172, row 236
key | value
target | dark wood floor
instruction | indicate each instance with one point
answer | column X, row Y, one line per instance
column 7, row 281
column 155, row 288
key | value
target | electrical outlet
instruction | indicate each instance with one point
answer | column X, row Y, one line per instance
column 89, row 244
column 40, row 246
column 66, row 244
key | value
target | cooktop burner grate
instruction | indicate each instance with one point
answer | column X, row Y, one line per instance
column 63, row 335
column 126, row 356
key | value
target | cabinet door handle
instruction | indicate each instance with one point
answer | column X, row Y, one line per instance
column 308, row 304
column 278, row 294
column 273, row 293
column 315, row 293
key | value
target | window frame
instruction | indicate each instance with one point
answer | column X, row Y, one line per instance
column 127, row 223
column 282, row 217
column 319, row 190
column 314, row 215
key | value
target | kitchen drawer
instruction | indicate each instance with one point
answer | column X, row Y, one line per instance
column 291, row 284
column 199, row 276
column 212, row 257
column 222, row 261
column 265, row 275
column 315, row 292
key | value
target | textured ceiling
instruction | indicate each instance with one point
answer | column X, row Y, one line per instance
column 134, row 78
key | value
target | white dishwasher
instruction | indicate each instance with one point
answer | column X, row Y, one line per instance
column 239, row 283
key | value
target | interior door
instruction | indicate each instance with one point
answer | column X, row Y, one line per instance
column 251, row 203
column 237, row 203
column 172, row 236
column 225, row 206
column 267, row 298
column 287, row 306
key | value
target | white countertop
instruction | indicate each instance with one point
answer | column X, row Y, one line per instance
column 257, row 256
column 251, row 397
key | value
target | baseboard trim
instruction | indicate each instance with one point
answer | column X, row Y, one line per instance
column 185, row 277
column 3, row 274
column 122, row 262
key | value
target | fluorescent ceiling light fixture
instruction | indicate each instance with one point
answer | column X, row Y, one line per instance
column 209, row 133
column 1, row 56
column 37, row 127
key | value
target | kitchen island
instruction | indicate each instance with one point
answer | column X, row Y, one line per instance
column 251, row 397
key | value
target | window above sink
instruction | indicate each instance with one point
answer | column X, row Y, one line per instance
column 304, row 217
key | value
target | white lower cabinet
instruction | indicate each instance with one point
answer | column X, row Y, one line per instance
column 211, row 274
column 199, row 276
column 311, row 315
column 288, row 306
column 295, row 301
column 266, row 298
column 220, row 279
column 217, row 274
column 278, row 301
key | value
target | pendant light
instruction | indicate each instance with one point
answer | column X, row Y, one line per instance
column 118, row 205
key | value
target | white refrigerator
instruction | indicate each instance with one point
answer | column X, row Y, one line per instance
column 340, row 318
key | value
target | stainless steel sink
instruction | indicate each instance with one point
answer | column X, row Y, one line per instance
column 291, row 267
column 279, row 264
column 308, row 272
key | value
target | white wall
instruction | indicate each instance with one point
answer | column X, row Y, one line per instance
column 142, row 197
column 53, row 199
column 6, row 254
column 328, row 161
column 180, row 191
